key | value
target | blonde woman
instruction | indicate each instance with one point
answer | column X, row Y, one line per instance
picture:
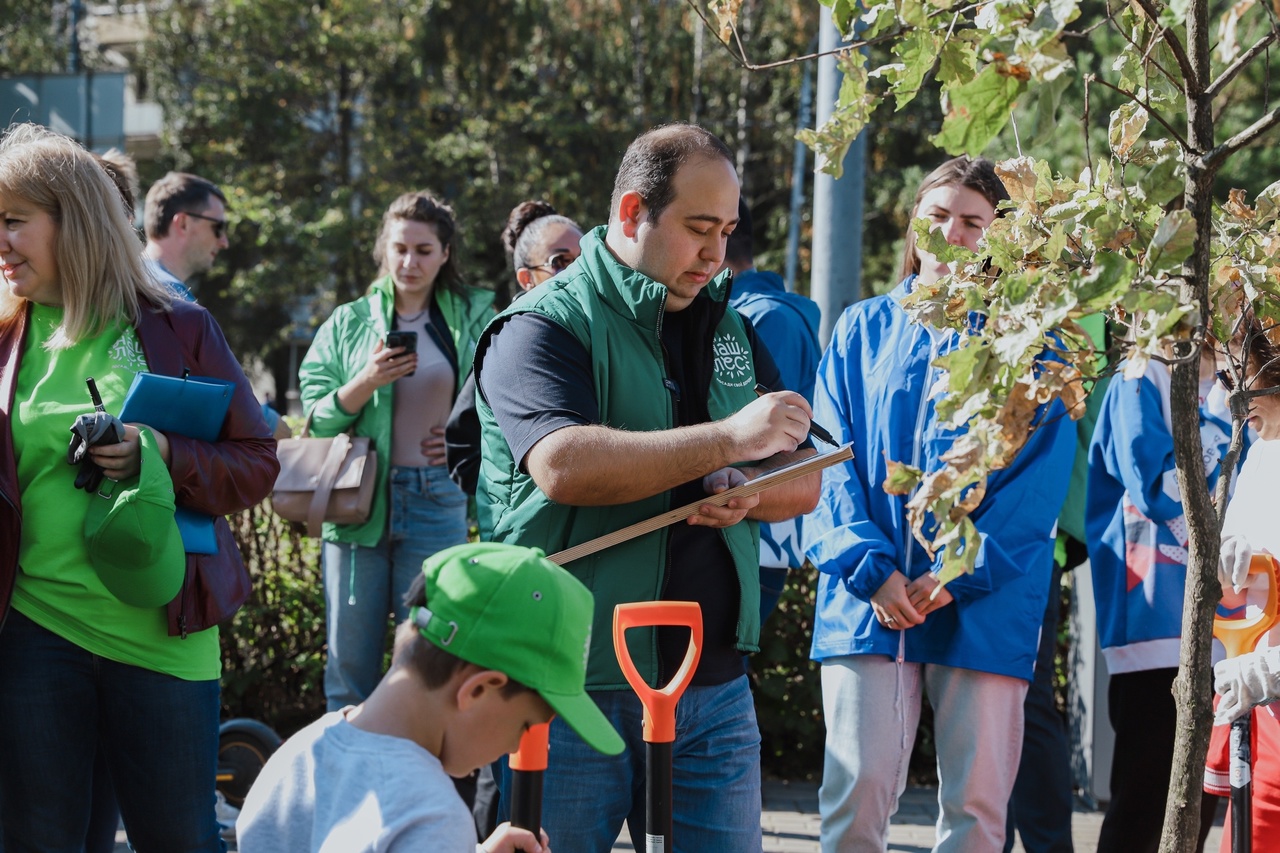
column 82, row 670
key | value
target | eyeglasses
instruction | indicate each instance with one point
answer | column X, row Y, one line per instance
column 219, row 225
column 558, row 262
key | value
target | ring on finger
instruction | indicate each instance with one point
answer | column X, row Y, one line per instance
column 889, row 620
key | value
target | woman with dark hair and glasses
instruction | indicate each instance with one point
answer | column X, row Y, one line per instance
column 540, row 244
column 1252, row 526
column 397, row 391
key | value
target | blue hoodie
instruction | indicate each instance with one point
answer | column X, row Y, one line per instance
column 787, row 324
column 873, row 389
column 1137, row 535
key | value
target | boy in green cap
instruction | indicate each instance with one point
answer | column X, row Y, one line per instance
column 496, row 642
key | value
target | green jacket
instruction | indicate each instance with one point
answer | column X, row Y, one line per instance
column 617, row 314
column 342, row 347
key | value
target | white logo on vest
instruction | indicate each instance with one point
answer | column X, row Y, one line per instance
column 734, row 366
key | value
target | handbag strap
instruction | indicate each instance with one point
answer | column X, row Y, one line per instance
column 324, row 483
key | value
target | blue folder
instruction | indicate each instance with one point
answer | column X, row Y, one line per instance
column 193, row 406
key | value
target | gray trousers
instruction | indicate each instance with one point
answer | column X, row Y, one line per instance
column 872, row 707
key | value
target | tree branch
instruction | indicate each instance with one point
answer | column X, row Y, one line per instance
column 1228, row 74
column 1179, row 51
column 1146, row 105
column 1215, row 157
column 740, row 57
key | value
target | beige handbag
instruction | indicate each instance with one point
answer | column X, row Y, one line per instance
column 325, row 479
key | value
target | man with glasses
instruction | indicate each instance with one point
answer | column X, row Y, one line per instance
column 186, row 225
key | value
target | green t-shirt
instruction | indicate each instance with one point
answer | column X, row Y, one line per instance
column 57, row 586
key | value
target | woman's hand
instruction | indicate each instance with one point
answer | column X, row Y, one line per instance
column 387, row 365
column 433, row 447
column 919, row 590
column 383, row 367
column 124, row 460
column 892, row 604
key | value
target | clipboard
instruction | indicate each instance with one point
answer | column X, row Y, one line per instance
column 765, row 481
column 192, row 406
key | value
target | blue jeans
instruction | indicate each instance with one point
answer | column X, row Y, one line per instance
column 364, row 586
column 588, row 796
column 60, row 705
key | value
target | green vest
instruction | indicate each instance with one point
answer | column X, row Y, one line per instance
column 616, row 313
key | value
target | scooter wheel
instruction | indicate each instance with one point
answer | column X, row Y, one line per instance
column 243, row 749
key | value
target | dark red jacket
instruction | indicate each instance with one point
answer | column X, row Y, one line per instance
column 218, row 478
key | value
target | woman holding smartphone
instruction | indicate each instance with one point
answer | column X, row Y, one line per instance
column 388, row 366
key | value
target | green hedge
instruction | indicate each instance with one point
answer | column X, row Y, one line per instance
column 273, row 653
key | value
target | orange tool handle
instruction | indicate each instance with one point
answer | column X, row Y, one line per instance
column 659, row 705
column 532, row 754
column 1239, row 636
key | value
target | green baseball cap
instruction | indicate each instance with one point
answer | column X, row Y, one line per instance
column 134, row 543
column 510, row 609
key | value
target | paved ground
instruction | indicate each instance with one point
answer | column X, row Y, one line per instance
column 791, row 823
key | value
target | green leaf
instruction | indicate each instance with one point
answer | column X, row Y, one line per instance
column 917, row 50
column 1173, row 242
column 1126, row 127
column 913, row 13
column 1268, row 204
column 978, row 111
column 958, row 60
column 931, row 240
column 960, row 551
column 900, row 479
column 1110, row 277
column 1046, row 97
column 853, row 110
column 843, row 13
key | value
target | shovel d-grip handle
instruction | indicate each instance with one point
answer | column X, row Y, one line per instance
column 532, row 753
column 1239, row 636
column 659, row 704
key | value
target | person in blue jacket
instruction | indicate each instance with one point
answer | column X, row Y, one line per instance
column 882, row 642
column 1137, row 540
column 787, row 324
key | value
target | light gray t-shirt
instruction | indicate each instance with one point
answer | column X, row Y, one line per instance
column 333, row 788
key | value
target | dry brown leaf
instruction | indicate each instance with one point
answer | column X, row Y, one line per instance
column 1237, row 206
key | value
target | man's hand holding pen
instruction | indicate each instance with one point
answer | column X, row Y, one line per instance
column 815, row 429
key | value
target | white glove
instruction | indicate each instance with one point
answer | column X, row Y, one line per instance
column 1245, row 681
column 1233, row 563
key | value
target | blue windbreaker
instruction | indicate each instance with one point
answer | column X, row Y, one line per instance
column 787, row 324
column 873, row 389
column 1137, row 535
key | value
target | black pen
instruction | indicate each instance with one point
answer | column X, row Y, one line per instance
column 815, row 429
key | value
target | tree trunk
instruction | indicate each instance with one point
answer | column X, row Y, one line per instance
column 1193, row 687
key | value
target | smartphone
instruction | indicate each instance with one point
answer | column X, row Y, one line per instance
column 403, row 338
column 406, row 339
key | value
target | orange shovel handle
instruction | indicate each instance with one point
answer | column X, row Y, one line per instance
column 1239, row 636
column 659, row 705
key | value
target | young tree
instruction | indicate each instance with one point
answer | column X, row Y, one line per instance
column 1136, row 234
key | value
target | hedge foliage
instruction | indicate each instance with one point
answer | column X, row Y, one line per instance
column 273, row 653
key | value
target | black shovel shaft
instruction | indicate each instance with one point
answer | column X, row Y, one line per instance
column 1241, row 793
column 657, row 812
column 526, row 799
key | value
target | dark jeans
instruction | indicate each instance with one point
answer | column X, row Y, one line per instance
column 1040, row 808
column 158, row 735
column 1145, row 717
